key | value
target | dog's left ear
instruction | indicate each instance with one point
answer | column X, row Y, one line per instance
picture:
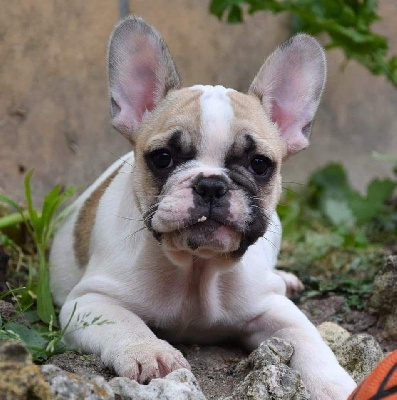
column 141, row 72
column 289, row 86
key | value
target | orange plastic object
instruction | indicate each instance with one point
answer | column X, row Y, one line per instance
column 381, row 383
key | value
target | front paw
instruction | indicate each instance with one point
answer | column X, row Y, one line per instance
column 148, row 359
column 293, row 284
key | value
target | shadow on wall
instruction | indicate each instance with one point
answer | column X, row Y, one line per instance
column 53, row 89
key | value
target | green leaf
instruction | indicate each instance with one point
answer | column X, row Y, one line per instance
column 45, row 306
column 218, row 7
column 48, row 209
column 235, row 14
column 366, row 208
column 8, row 201
column 339, row 212
column 33, row 339
column 31, row 316
column 28, row 195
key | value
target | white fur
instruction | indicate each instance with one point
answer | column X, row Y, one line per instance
column 216, row 115
column 130, row 283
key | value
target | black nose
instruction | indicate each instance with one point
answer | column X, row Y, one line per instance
column 212, row 187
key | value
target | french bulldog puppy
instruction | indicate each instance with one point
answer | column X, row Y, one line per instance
column 178, row 240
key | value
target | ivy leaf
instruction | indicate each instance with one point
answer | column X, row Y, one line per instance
column 347, row 23
column 235, row 14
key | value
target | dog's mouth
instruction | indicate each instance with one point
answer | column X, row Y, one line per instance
column 206, row 234
column 210, row 224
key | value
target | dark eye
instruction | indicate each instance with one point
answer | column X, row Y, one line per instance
column 261, row 165
column 162, row 159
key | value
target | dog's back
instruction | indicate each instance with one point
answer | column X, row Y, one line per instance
column 71, row 246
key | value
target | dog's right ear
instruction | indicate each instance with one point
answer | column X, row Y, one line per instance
column 141, row 72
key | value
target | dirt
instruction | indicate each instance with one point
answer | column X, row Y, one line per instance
column 334, row 308
column 213, row 366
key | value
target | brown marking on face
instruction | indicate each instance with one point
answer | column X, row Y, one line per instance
column 180, row 109
column 86, row 219
column 250, row 117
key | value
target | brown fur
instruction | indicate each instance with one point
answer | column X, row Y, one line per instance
column 86, row 219
column 180, row 109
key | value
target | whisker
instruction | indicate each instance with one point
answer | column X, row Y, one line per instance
column 129, row 219
column 134, row 233
column 124, row 161
column 296, row 183
column 276, row 248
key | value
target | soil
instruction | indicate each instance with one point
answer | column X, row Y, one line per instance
column 334, row 308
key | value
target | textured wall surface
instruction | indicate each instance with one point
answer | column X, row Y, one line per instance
column 53, row 90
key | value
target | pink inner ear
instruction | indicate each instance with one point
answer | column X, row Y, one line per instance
column 142, row 89
column 290, row 126
column 281, row 117
column 140, row 80
column 138, row 83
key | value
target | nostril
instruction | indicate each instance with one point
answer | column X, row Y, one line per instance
column 211, row 187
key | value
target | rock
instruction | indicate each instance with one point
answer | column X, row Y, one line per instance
column 178, row 385
column 274, row 382
column 270, row 377
column 359, row 355
column 71, row 361
column 67, row 386
column 7, row 312
column 384, row 298
column 333, row 334
column 269, row 352
column 20, row 379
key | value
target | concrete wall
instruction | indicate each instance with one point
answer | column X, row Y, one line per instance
column 53, row 90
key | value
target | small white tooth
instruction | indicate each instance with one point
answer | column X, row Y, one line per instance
column 202, row 219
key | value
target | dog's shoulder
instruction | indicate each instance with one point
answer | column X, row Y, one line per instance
column 89, row 203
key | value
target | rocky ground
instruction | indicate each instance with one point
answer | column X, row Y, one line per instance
column 358, row 338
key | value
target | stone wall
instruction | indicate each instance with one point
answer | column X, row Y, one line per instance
column 53, row 90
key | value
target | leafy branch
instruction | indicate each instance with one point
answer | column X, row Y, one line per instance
column 347, row 23
column 41, row 226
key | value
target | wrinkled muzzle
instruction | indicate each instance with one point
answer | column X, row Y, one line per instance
column 205, row 213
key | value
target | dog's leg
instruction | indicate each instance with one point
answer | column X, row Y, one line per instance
column 271, row 246
column 123, row 341
column 292, row 282
column 323, row 376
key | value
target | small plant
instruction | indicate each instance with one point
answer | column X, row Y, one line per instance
column 334, row 237
column 46, row 341
column 41, row 226
column 347, row 23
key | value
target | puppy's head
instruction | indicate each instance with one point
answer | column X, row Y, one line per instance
column 207, row 168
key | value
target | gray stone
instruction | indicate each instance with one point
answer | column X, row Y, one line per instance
column 274, row 382
column 8, row 312
column 359, row 355
column 20, row 379
column 68, row 386
column 270, row 352
column 384, row 298
column 178, row 385
column 333, row 334
column 269, row 377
